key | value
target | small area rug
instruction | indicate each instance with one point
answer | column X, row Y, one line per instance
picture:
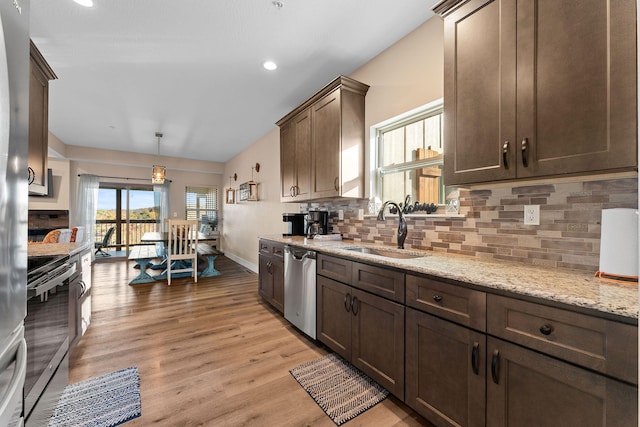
column 340, row 389
column 105, row 401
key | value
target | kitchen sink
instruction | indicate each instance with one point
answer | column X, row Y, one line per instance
column 400, row 254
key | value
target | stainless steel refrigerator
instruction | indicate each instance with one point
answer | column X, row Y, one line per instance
column 14, row 128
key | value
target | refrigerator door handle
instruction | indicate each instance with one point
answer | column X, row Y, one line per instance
column 12, row 398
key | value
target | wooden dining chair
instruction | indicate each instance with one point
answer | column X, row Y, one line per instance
column 182, row 247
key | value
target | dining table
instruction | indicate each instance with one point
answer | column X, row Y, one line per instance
column 152, row 247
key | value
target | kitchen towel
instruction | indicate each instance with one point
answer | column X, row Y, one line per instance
column 105, row 401
column 340, row 389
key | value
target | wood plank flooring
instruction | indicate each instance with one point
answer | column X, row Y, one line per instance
column 209, row 354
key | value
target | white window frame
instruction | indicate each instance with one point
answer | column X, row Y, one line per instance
column 403, row 119
column 189, row 189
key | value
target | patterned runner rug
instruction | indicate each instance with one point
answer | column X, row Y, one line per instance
column 340, row 389
column 105, row 401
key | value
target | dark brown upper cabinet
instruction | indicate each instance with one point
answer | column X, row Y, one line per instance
column 322, row 144
column 41, row 73
column 538, row 88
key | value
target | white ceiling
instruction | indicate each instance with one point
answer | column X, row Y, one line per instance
column 192, row 69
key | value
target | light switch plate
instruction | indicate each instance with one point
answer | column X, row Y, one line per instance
column 360, row 214
column 532, row 214
column 340, row 214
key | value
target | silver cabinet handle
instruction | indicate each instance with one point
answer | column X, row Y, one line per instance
column 505, row 154
column 525, row 146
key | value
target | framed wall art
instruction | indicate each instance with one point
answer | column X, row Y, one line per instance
column 230, row 196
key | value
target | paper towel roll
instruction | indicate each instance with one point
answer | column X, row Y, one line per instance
column 619, row 242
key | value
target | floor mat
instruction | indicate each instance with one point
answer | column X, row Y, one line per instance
column 340, row 389
column 105, row 401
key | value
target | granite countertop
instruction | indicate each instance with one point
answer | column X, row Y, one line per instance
column 41, row 249
column 574, row 288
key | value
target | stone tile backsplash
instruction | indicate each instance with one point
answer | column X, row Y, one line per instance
column 492, row 224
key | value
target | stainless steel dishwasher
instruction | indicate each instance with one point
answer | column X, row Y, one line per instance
column 300, row 289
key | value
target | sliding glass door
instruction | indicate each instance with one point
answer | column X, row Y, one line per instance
column 131, row 209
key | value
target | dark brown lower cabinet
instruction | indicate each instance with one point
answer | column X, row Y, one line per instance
column 271, row 281
column 333, row 326
column 526, row 388
column 365, row 329
column 445, row 371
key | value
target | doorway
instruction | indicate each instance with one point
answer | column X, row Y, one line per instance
column 131, row 209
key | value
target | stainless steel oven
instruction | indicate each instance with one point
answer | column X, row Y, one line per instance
column 47, row 334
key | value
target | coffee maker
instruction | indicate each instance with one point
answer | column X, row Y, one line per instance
column 317, row 223
column 296, row 224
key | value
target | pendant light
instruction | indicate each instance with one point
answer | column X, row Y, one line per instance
column 158, row 172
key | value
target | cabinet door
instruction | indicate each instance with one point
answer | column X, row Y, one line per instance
column 326, row 146
column 38, row 129
column 265, row 279
column 576, row 98
column 277, row 278
column 479, row 92
column 287, row 161
column 334, row 315
column 445, row 373
column 525, row 388
column 75, row 328
column 295, row 158
column 378, row 340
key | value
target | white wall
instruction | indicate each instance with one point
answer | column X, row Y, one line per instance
column 243, row 222
column 406, row 75
column 182, row 172
column 61, row 184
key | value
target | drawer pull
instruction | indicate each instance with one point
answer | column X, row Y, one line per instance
column 437, row 298
column 354, row 306
column 525, row 146
column 505, row 154
column 475, row 360
column 495, row 366
column 347, row 302
column 546, row 329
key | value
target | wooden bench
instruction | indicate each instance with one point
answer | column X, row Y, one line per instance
column 210, row 253
column 143, row 255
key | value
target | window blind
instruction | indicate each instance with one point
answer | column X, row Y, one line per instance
column 201, row 203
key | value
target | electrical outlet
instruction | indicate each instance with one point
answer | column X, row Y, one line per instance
column 360, row 214
column 340, row 214
column 532, row 214
column 175, row 214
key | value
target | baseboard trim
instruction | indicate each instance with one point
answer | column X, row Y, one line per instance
column 243, row 262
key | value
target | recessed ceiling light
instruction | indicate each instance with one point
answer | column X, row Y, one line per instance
column 85, row 3
column 270, row 65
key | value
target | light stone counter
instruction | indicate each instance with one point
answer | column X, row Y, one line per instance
column 42, row 249
column 575, row 288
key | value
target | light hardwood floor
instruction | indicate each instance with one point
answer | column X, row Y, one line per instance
column 209, row 354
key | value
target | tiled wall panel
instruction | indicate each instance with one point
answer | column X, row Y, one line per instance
column 493, row 224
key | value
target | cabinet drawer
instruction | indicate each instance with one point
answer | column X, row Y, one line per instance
column 599, row 344
column 379, row 281
column 264, row 247
column 334, row 268
column 277, row 249
column 461, row 305
column 271, row 248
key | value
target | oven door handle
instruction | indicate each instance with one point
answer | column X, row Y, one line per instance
column 54, row 282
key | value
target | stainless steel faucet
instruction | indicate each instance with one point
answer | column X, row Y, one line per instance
column 402, row 222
